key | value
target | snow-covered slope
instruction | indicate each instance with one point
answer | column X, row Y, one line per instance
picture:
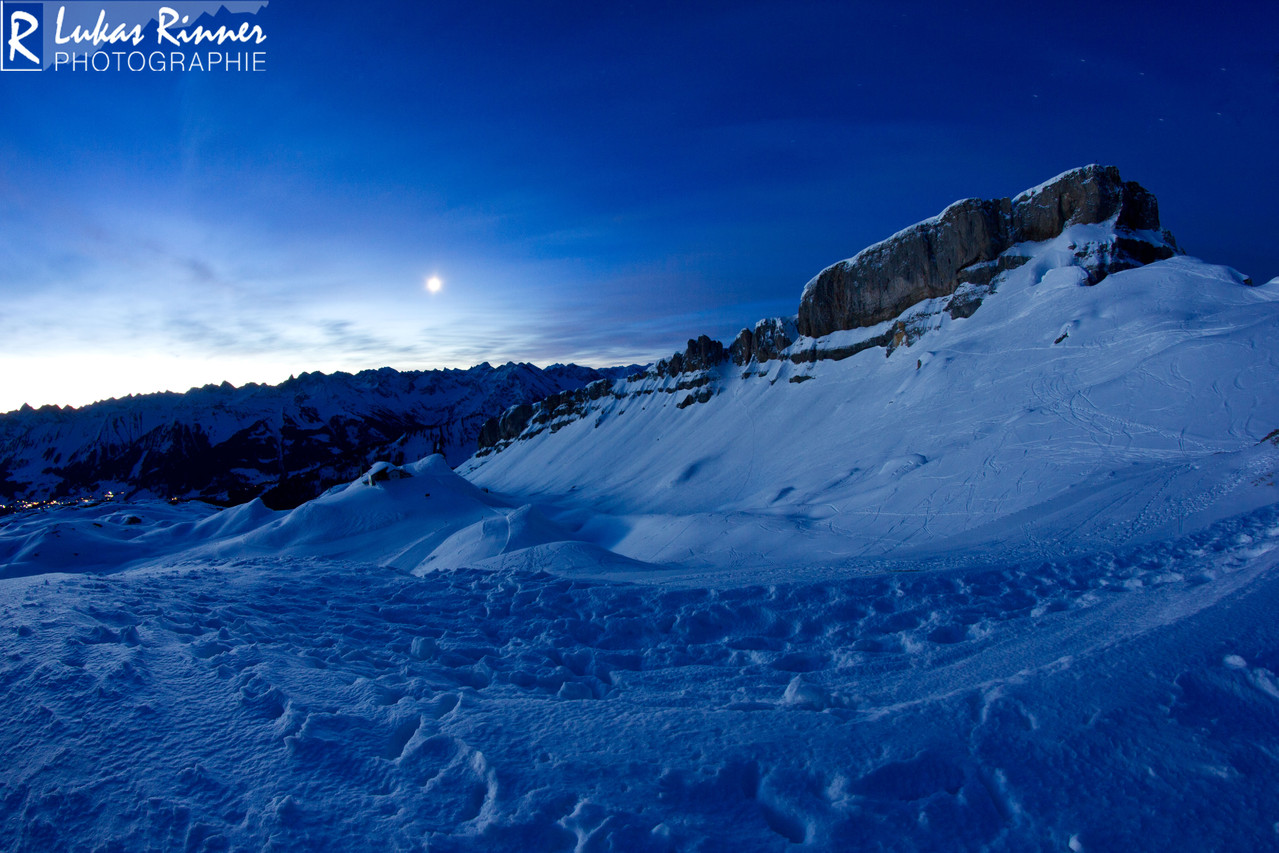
column 420, row 518
column 286, row 443
column 998, row 572
column 1057, row 417
column 1127, row 700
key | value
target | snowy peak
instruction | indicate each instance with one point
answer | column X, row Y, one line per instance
column 891, row 293
column 1057, row 411
column 1051, row 388
column 939, row 255
column 1083, row 196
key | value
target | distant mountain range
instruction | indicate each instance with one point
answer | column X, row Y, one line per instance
column 284, row 443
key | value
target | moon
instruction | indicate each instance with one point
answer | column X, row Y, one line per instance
column 433, row 284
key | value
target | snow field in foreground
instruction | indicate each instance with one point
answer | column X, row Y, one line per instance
column 1119, row 700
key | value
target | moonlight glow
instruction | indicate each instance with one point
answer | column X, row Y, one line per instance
column 433, row 284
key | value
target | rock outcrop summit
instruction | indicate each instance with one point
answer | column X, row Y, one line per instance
column 964, row 244
column 956, row 258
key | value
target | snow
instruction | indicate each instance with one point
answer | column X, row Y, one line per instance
column 1008, row 588
column 314, row 426
column 1026, row 195
column 296, row 703
column 992, row 437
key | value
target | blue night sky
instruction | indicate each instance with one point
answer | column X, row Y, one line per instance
column 593, row 182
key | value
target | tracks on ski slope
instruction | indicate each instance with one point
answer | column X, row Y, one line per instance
column 301, row 703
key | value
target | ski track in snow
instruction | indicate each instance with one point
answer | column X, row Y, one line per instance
column 308, row 704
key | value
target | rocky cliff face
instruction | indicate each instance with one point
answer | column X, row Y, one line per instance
column 937, row 256
column 765, row 342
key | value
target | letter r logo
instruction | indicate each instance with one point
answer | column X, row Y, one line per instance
column 21, row 41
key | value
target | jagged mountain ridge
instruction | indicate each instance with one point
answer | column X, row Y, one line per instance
column 285, row 443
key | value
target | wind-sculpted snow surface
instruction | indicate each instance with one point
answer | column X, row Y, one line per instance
column 1121, row 700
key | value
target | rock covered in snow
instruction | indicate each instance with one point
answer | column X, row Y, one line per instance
column 551, row 412
column 383, row 472
column 933, row 258
column 805, row 697
column 506, row 426
column 1083, row 196
column 922, row 262
column 1104, row 225
column 765, row 342
column 699, row 354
